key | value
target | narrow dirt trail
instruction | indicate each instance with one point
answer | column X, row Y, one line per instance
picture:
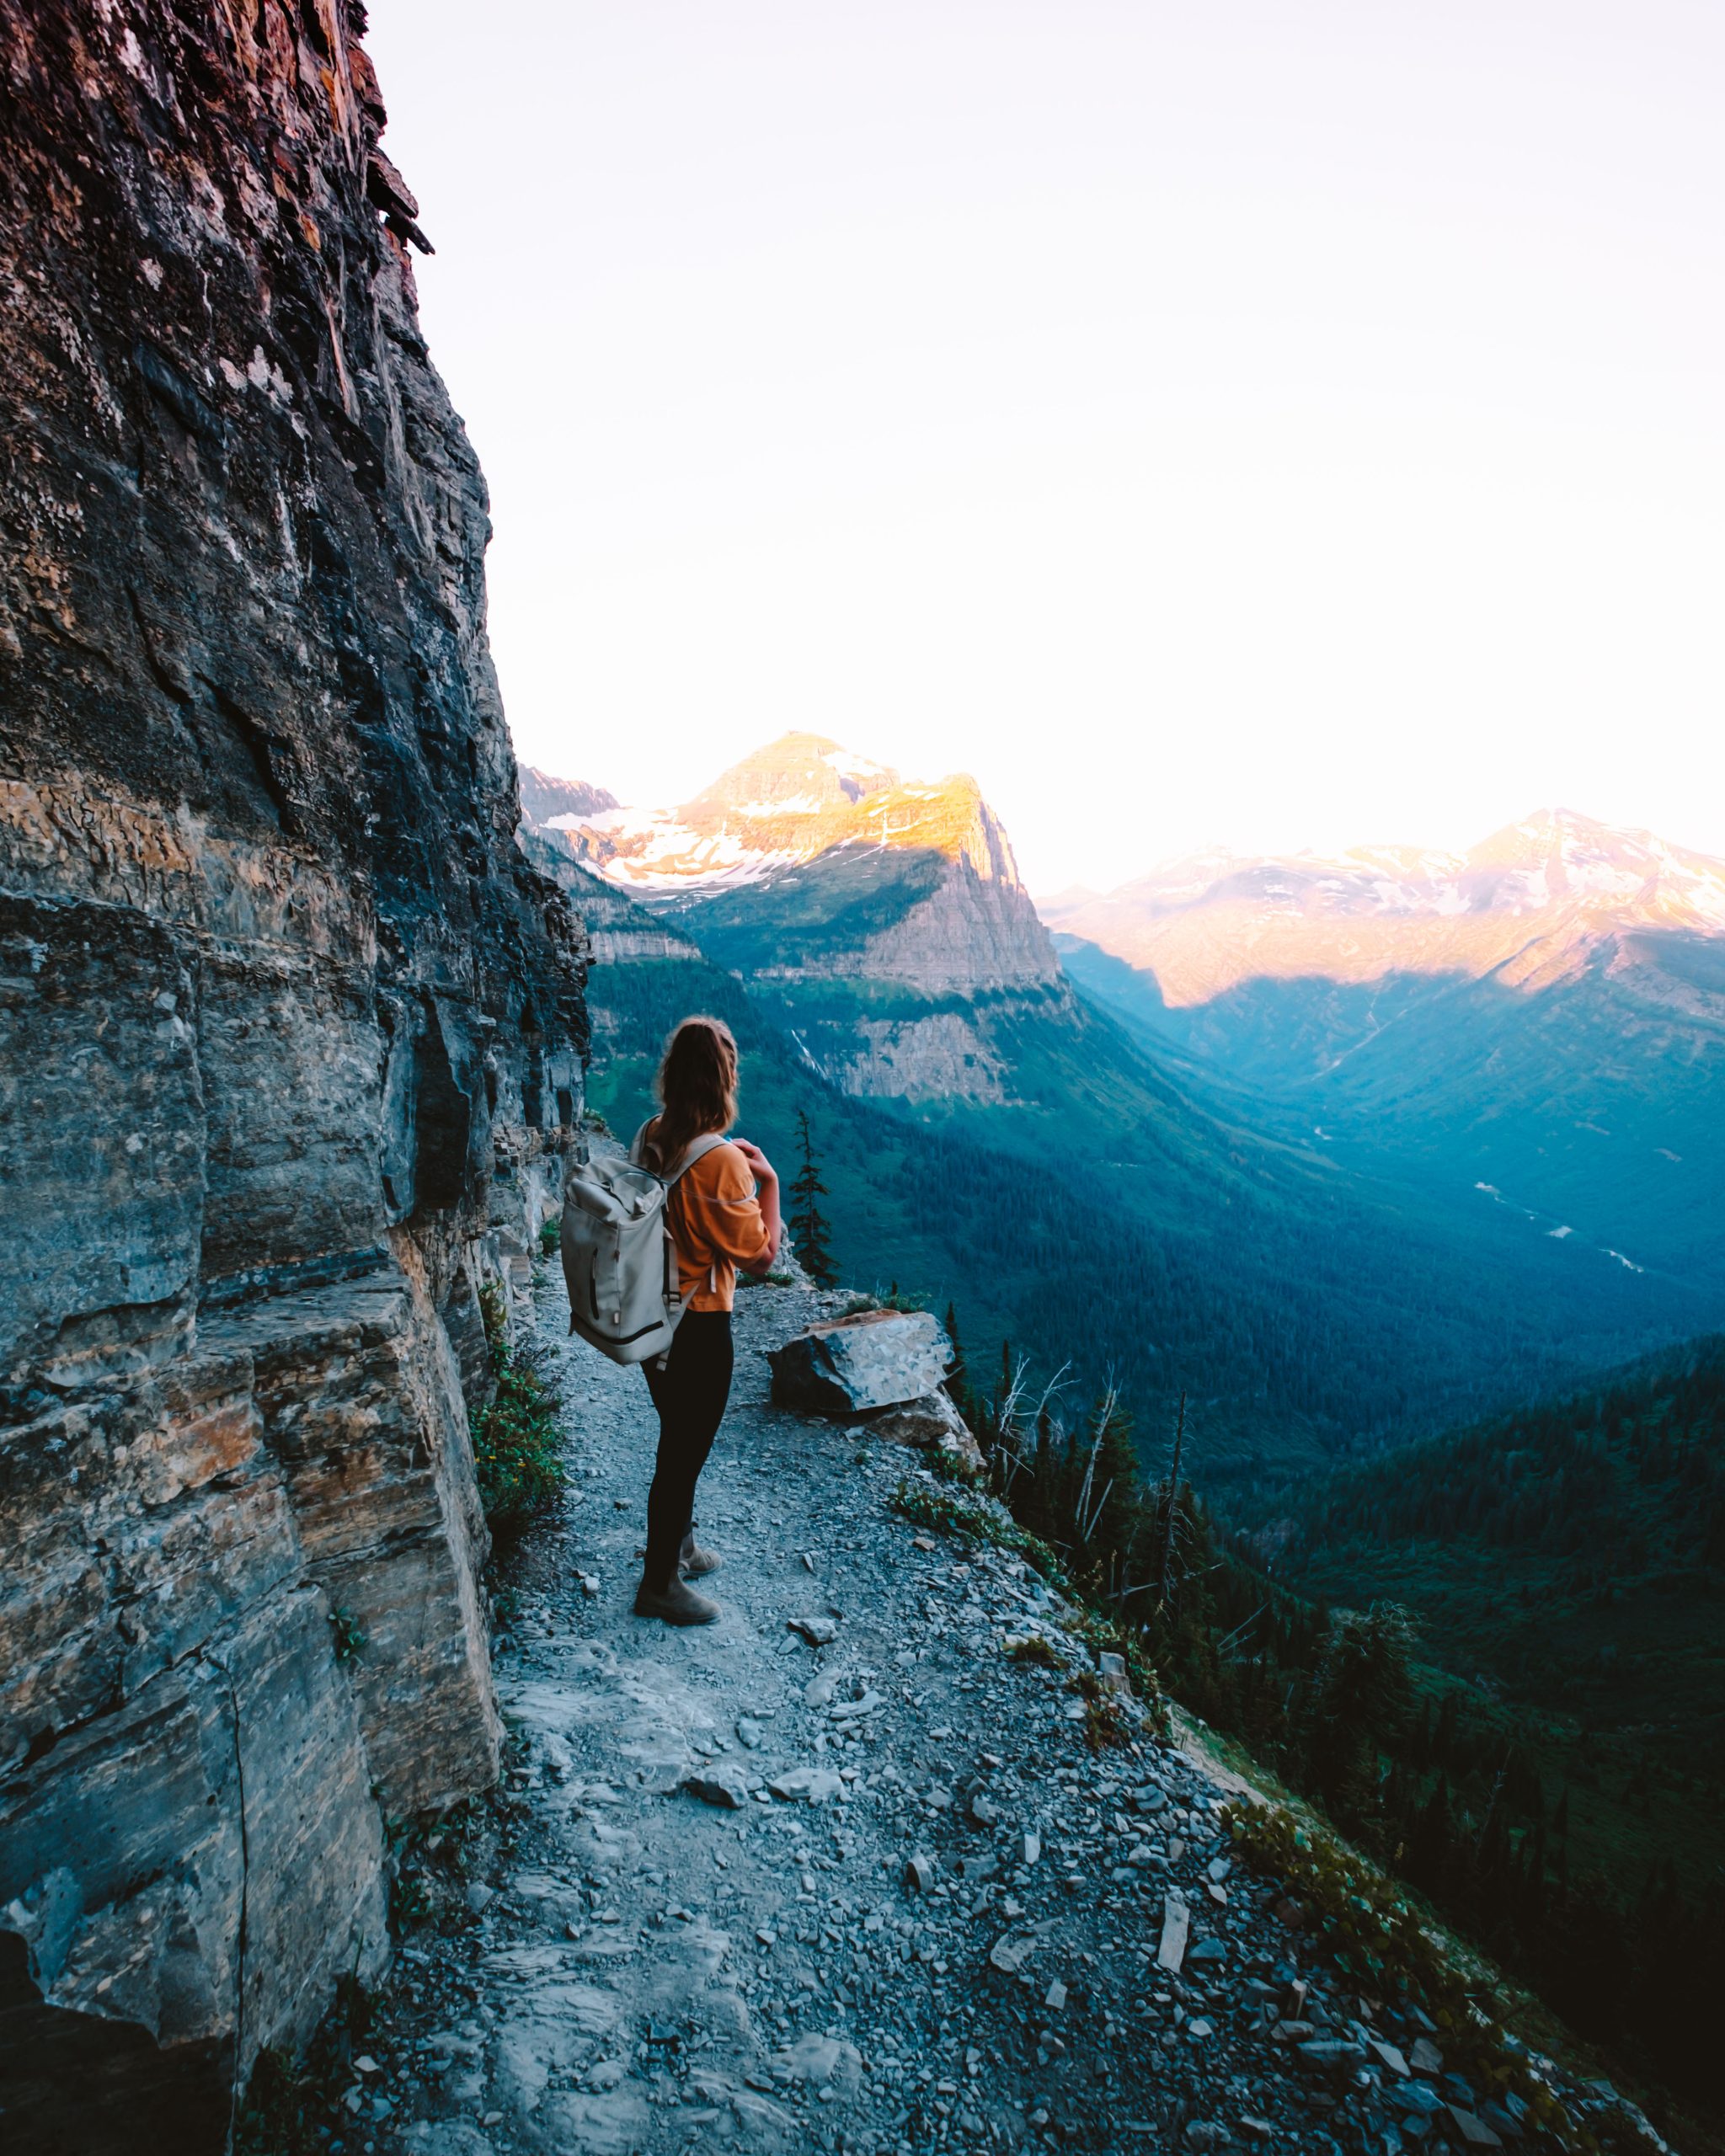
column 626, row 1967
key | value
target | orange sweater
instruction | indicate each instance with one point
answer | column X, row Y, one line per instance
column 716, row 1225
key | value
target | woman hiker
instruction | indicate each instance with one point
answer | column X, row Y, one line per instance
column 723, row 1213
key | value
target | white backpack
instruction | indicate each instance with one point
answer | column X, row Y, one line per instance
column 618, row 1258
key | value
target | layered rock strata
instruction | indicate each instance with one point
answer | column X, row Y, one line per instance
column 290, row 1054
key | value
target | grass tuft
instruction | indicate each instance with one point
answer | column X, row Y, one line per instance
column 882, row 1299
column 948, row 1512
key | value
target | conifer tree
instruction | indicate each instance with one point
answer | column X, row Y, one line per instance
column 810, row 1229
column 959, row 1388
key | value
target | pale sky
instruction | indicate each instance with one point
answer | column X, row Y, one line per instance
column 1273, row 422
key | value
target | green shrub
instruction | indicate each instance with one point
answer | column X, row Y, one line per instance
column 1105, row 1722
column 517, row 1446
column 292, row 2106
column 949, row 1513
column 953, row 1467
column 887, row 1299
column 350, row 1640
column 410, row 1902
column 282, row 2113
column 550, row 1235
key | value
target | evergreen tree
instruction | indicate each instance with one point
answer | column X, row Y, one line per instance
column 958, row 1378
column 810, row 1229
column 1362, row 1701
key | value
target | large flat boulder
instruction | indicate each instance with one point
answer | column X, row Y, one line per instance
column 879, row 1359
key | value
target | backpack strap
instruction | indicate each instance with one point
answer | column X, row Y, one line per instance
column 699, row 1148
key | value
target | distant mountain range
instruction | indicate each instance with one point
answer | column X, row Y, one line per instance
column 1540, row 1020
column 1085, row 1181
column 1533, row 898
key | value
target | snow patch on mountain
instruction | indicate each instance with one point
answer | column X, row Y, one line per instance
column 1554, row 883
column 800, row 797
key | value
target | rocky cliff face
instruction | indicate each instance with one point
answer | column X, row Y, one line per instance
column 619, row 932
column 291, row 1053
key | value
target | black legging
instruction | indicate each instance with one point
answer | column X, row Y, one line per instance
column 689, row 1393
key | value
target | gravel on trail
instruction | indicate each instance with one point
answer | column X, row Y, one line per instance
column 878, row 1894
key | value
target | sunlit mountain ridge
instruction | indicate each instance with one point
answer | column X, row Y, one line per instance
column 1525, row 899
column 785, row 804
column 886, row 918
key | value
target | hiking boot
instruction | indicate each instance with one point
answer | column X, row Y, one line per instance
column 676, row 1605
column 694, row 1562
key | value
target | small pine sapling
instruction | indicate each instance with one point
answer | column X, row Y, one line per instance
column 810, row 1229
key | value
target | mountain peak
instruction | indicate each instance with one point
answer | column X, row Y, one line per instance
column 798, row 772
column 798, row 796
column 557, row 805
column 1561, row 858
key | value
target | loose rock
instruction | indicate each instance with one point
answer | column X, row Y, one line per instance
column 1177, row 1923
column 932, row 1421
column 880, row 1358
column 868, row 1895
column 807, row 1785
column 724, row 1787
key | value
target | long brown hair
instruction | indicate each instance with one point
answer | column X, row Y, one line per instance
column 696, row 1086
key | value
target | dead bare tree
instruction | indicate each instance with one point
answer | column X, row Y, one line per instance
column 1105, row 1411
column 1090, row 1529
column 1012, row 1424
